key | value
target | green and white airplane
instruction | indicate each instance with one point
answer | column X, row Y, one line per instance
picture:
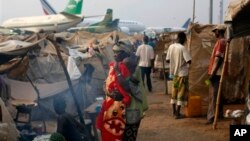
column 90, row 25
column 49, row 23
column 106, row 25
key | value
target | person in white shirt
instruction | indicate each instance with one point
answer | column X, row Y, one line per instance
column 179, row 59
column 146, row 55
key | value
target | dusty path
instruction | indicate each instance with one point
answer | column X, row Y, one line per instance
column 160, row 125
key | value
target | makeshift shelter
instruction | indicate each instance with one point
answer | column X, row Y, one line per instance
column 44, row 70
column 233, row 88
column 200, row 44
column 41, row 71
column 238, row 22
column 35, row 64
column 237, row 17
column 42, row 66
column 165, row 40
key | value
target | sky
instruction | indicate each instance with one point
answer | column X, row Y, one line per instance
column 167, row 13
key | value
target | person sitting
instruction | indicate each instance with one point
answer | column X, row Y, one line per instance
column 67, row 125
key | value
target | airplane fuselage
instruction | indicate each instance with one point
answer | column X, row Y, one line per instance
column 133, row 26
column 93, row 29
column 53, row 23
column 159, row 30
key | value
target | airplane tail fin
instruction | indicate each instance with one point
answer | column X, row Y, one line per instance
column 115, row 23
column 107, row 19
column 74, row 7
column 185, row 25
column 48, row 10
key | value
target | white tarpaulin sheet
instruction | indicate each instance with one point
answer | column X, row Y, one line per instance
column 45, row 90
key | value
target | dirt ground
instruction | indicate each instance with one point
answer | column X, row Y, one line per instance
column 160, row 125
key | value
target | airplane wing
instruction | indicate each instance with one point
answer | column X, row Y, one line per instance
column 71, row 15
column 94, row 16
column 79, row 16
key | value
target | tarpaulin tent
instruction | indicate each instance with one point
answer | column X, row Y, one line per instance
column 201, row 47
column 238, row 21
column 238, row 18
column 45, row 71
column 45, row 75
column 238, row 25
column 200, row 43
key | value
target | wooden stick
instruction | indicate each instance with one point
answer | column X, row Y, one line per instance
column 220, row 87
column 70, row 86
column 1, row 114
column 38, row 100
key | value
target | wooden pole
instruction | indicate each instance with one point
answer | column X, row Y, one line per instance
column 1, row 114
column 193, row 10
column 211, row 12
column 220, row 87
column 70, row 87
column 38, row 100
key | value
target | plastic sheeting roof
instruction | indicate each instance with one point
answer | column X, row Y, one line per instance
column 16, row 47
column 238, row 16
column 13, row 45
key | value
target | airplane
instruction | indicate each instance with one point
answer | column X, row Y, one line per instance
column 48, row 23
column 93, row 22
column 158, row 30
column 126, row 26
column 106, row 25
column 109, row 27
column 130, row 27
